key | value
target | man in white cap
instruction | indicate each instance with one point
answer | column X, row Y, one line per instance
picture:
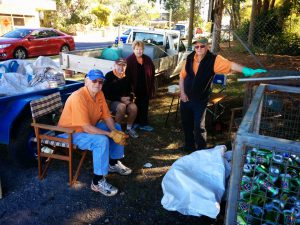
column 82, row 112
column 195, row 81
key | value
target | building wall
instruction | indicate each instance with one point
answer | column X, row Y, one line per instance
column 22, row 13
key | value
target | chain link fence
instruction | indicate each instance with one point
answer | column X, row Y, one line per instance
column 272, row 43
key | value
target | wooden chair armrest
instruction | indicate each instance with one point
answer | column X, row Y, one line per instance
column 53, row 128
column 216, row 97
column 236, row 109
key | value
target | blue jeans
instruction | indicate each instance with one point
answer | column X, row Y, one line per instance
column 193, row 123
column 102, row 147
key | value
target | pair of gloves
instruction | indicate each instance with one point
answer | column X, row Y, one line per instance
column 248, row 72
column 119, row 137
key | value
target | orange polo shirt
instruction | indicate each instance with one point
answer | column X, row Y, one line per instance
column 221, row 65
column 81, row 109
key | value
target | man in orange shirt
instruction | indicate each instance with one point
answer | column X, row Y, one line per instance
column 82, row 112
column 195, row 82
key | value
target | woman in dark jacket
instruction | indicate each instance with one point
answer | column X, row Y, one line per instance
column 140, row 69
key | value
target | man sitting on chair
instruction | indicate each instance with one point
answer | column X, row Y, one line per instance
column 117, row 89
column 82, row 112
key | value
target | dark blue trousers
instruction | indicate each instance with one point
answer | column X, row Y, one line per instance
column 193, row 123
column 142, row 104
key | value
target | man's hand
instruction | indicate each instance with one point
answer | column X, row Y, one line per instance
column 248, row 72
column 119, row 137
column 183, row 97
column 125, row 100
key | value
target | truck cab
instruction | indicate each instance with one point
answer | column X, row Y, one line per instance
column 162, row 42
column 183, row 28
column 164, row 47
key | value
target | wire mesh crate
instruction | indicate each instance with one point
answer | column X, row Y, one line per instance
column 277, row 77
column 265, row 182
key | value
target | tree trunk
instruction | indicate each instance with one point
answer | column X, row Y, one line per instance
column 231, row 14
column 236, row 11
column 252, row 23
column 258, row 8
column 236, row 20
column 191, row 23
column 266, row 6
column 272, row 4
column 218, row 9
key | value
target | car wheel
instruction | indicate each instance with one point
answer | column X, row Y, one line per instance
column 65, row 48
column 20, row 53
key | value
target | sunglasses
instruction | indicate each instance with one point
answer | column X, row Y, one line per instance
column 199, row 46
column 99, row 81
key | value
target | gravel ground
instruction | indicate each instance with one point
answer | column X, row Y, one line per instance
column 29, row 201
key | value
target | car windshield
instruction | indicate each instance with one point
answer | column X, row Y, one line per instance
column 19, row 33
column 179, row 27
column 127, row 32
column 156, row 39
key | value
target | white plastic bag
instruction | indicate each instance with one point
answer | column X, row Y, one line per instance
column 29, row 76
column 45, row 69
column 195, row 183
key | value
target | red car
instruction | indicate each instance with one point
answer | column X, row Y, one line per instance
column 24, row 42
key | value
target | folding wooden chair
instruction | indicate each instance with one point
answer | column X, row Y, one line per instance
column 234, row 120
column 215, row 106
column 43, row 111
column 174, row 96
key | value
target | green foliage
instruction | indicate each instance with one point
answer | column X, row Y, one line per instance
column 243, row 30
column 102, row 13
column 198, row 22
column 292, row 24
column 207, row 26
column 286, row 44
column 69, row 15
column 121, row 19
column 132, row 13
column 180, row 9
column 273, row 31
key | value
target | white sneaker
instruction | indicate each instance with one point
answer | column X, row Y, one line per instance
column 132, row 133
column 120, row 169
column 104, row 188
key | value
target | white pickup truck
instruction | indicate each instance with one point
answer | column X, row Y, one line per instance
column 164, row 47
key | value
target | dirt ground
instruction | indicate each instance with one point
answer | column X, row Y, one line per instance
column 29, row 201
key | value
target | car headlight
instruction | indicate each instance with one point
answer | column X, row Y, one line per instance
column 5, row 45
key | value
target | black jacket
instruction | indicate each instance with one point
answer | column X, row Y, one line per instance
column 198, row 87
column 114, row 88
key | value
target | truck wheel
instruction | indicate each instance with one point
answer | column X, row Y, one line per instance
column 22, row 151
